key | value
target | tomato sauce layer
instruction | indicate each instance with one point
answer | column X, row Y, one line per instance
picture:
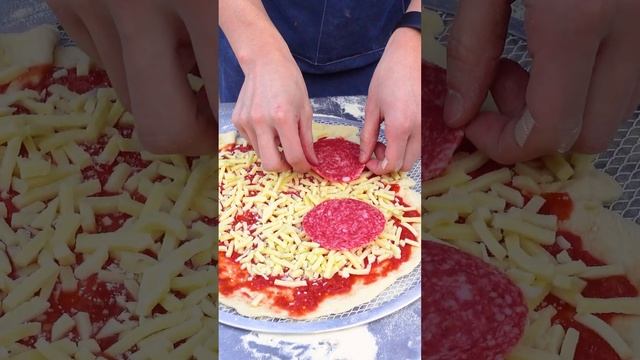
column 591, row 346
column 305, row 299
column 302, row 300
column 102, row 300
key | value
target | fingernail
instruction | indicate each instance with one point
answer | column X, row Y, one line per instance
column 384, row 164
column 569, row 139
column 524, row 127
column 453, row 107
column 363, row 156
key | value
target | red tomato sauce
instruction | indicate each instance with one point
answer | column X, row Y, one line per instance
column 302, row 300
column 40, row 77
column 559, row 204
column 77, row 83
column 590, row 345
column 97, row 298
column 248, row 218
column 609, row 287
column 33, row 78
column 11, row 209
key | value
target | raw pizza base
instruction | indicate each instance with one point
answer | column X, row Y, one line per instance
column 360, row 293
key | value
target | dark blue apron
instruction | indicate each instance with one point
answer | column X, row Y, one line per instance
column 336, row 43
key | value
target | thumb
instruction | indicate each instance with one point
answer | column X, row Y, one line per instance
column 476, row 43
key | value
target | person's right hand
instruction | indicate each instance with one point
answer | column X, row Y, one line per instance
column 273, row 109
column 147, row 47
column 584, row 79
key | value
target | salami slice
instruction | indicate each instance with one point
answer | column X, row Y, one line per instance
column 338, row 159
column 343, row 224
column 471, row 310
column 439, row 141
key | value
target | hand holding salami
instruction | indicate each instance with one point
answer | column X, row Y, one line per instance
column 584, row 80
column 274, row 110
column 394, row 97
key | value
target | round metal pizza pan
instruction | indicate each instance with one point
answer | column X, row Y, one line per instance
column 401, row 293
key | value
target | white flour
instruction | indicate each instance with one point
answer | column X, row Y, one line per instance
column 28, row 9
column 402, row 332
column 351, row 344
column 351, row 105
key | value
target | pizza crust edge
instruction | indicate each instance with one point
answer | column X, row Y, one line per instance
column 360, row 293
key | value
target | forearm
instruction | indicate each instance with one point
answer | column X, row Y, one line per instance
column 250, row 32
column 415, row 5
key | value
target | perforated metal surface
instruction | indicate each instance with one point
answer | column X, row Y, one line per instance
column 621, row 160
column 402, row 293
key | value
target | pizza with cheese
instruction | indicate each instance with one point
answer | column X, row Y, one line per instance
column 106, row 251
column 291, row 245
column 525, row 262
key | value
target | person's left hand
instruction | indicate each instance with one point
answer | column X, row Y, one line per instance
column 394, row 97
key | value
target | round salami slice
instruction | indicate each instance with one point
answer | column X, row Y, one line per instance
column 439, row 141
column 343, row 224
column 338, row 159
column 470, row 310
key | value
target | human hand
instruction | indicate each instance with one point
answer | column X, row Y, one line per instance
column 585, row 76
column 394, row 97
column 273, row 109
column 147, row 47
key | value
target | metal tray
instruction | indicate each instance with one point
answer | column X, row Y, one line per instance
column 400, row 294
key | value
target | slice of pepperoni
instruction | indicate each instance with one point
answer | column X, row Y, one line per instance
column 343, row 224
column 471, row 310
column 338, row 159
column 439, row 141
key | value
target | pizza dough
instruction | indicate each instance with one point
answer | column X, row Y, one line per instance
column 337, row 159
column 439, row 141
column 471, row 310
column 343, row 224
column 20, row 51
column 341, row 279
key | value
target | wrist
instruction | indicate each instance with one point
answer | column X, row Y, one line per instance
column 406, row 36
column 266, row 49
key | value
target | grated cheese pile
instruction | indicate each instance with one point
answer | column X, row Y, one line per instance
column 504, row 230
column 163, row 253
column 276, row 246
